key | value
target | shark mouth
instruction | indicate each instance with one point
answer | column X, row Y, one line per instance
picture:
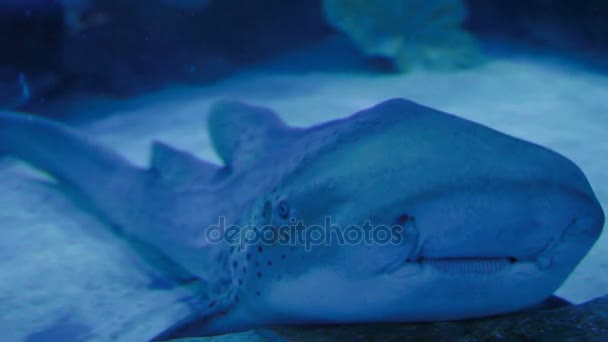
column 415, row 259
column 457, row 265
column 463, row 265
column 467, row 265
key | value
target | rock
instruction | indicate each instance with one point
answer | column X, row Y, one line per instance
column 408, row 32
column 584, row 322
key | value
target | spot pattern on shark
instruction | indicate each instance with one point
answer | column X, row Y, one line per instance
column 481, row 210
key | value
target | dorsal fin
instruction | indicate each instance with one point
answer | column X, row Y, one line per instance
column 180, row 167
column 242, row 134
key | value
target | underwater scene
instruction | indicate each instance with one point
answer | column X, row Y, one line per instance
column 303, row 170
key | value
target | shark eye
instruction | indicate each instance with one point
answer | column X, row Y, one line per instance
column 284, row 210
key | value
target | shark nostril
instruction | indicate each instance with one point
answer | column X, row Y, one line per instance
column 402, row 219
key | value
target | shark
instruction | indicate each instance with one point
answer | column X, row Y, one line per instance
column 465, row 221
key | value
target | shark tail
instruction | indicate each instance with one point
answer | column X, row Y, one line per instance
column 74, row 161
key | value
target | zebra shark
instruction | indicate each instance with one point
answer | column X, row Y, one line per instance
column 480, row 223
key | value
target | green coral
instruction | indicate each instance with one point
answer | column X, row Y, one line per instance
column 410, row 32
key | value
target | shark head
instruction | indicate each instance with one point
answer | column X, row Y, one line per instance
column 426, row 217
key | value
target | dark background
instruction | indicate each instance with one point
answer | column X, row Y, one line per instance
column 145, row 45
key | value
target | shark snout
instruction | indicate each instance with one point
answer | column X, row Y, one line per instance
column 562, row 198
column 590, row 219
column 581, row 233
column 515, row 221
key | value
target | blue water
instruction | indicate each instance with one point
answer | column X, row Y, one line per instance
column 126, row 73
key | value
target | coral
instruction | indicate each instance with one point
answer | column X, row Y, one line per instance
column 410, row 32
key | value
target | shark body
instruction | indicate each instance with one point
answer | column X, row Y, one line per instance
column 490, row 224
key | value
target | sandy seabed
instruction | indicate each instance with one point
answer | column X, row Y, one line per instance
column 58, row 264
